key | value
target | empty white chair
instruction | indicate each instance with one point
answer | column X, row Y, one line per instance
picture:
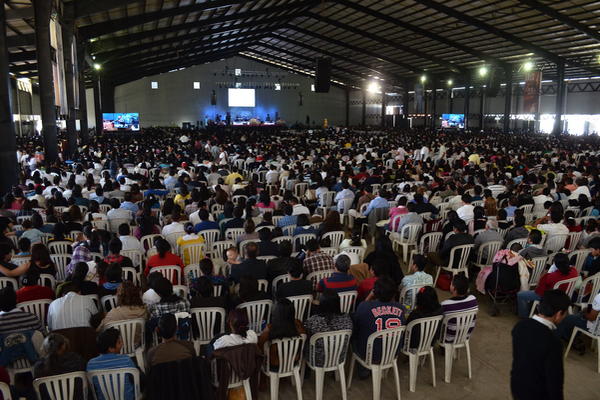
column 462, row 254
column 171, row 272
column 207, row 319
column 258, row 312
column 192, row 253
column 302, row 306
column 463, row 323
column 108, row 302
column 134, row 339
column 334, row 349
column 389, row 341
column 427, row 334
column 62, row 387
column 60, row 247
column 6, row 281
column 555, row 242
column 39, row 308
column 109, row 384
column 60, row 262
column 335, row 238
column 289, row 352
column 347, row 301
column 486, row 253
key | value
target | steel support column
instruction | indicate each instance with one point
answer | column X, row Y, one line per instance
column 84, row 133
column 433, row 104
column 405, row 102
column 364, row 108
column 481, row 106
column 8, row 140
column 42, row 11
column 67, row 38
column 560, row 99
column 97, row 106
column 467, row 101
column 383, row 107
column 507, row 99
column 347, row 108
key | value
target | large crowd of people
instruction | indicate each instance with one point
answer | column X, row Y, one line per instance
column 155, row 226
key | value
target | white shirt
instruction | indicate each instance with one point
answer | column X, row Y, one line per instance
column 343, row 195
column 272, row 177
column 131, row 243
column 595, row 307
column 550, row 325
column 466, row 212
column 71, row 311
column 300, row 209
column 553, row 229
column 172, row 228
column 117, row 213
column 150, row 297
column 580, row 190
column 235, row 340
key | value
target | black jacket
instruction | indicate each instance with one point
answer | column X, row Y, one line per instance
column 537, row 369
column 251, row 266
column 458, row 239
column 294, row 288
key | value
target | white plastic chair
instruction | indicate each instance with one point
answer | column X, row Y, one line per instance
column 219, row 248
column 429, row 243
column 60, row 247
column 539, row 268
column 130, row 330
column 172, row 239
column 191, row 271
column 61, row 261
column 302, row 239
column 136, row 257
column 358, row 250
column 278, row 280
column 316, row 276
column 335, row 349
column 463, row 322
column 594, row 282
column 109, row 384
column 206, row 320
column 210, row 236
column 5, row 391
column 427, row 334
column 101, row 224
column 555, row 242
column 39, row 308
column 302, row 305
column 148, row 240
column 62, row 387
column 465, row 251
column 113, row 224
column 233, row 233
column 522, row 242
column 489, row 249
column 192, row 253
column 280, row 239
column 171, row 272
column 130, row 274
column 289, row 352
column 347, row 301
column 407, row 238
column 408, row 296
column 258, row 312
column 263, row 285
column 566, row 285
column 390, row 340
column 574, row 238
column 6, row 281
column 580, row 256
column 181, row 291
column 594, row 334
column 288, row 230
column 335, row 237
column 48, row 281
column 108, row 302
column 234, row 380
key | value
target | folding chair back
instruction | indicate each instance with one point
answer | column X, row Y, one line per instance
column 109, row 384
column 258, row 312
column 347, row 301
column 302, row 306
column 62, row 387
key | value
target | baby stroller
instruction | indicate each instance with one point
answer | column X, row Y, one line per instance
column 503, row 284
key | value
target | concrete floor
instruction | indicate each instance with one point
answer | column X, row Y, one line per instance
column 491, row 351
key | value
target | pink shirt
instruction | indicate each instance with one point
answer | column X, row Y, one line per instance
column 400, row 210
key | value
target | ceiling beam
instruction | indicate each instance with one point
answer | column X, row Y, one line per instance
column 335, row 56
column 104, row 28
column 407, row 49
column 176, row 54
column 423, row 32
column 20, row 40
column 23, row 67
column 562, row 18
column 127, row 51
column 297, row 65
column 84, row 8
column 538, row 50
column 22, row 56
column 111, row 43
column 12, row 14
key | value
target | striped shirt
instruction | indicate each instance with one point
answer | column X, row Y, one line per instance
column 112, row 361
column 338, row 282
column 456, row 305
column 17, row 320
column 71, row 311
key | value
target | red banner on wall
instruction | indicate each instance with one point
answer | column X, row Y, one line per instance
column 531, row 93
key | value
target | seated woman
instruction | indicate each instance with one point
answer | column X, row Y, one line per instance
column 94, row 213
column 303, row 226
column 129, row 306
column 163, row 258
column 201, row 292
column 331, row 223
column 32, row 290
column 189, row 238
column 327, row 318
column 58, row 233
column 427, row 305
column 114, row 279
column 58, row 359
column 237, row 321
column 249, row 232
column 79, row 277
column 248, row 291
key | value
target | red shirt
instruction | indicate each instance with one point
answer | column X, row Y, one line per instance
column 168, row 259
column 30, row 293
column 365, row 287
column 547, row 281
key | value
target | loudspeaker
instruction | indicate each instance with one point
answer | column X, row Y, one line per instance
column 322, row 75
column 213, row 98
column 493, row 84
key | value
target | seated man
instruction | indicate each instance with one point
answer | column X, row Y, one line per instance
column 72, row 310
column 459, row 238
column 340, row 280
column 265, row 246
column 250, row 266
column 109, row 345
column 32, row 290
column 315, row 260
column 128, row 241
column 533, row 248
column 13, row 319
column 205, row 222
column 490, row 234
column 282, row 264
column 418, row 276
column 296, row 285
column 460, row 301
column 171, row 349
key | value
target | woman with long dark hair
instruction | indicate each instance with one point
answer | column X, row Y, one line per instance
column 283, row 325
column 427, row 305
column 164, row 257
column 78, row 277
column 331, row 223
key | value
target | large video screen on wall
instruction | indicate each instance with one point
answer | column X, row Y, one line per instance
column 453, row 120
column 241, row 98
column 112, row 122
